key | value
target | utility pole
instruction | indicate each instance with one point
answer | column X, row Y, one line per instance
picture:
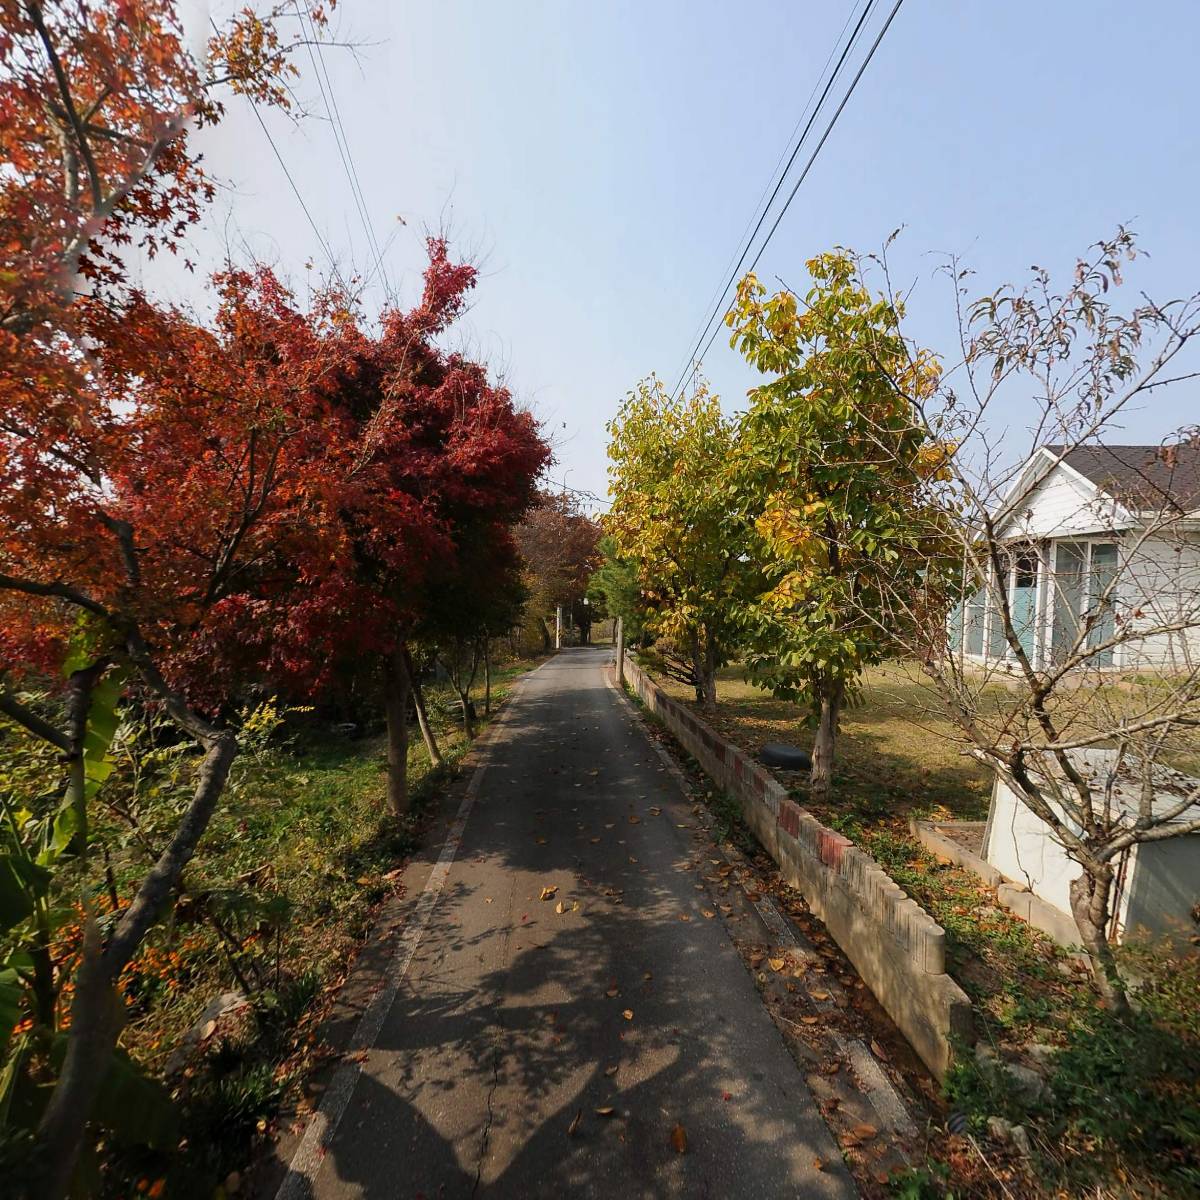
column 558, row 628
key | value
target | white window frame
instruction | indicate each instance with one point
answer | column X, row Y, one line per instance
column 1047, row 621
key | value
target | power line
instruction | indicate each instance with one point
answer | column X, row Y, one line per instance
column 807, row 166
column 715, row 298
column 332, row 111
column 288, row 175
column 724, row 288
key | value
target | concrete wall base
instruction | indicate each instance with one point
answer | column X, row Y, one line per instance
column 896, row 947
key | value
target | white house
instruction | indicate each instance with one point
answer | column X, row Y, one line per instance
column 1075, row 520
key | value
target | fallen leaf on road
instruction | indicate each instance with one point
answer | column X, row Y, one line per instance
column 809, row 1019
column 548, row 892
column 684, row 917
column 574, row 1125
column 560, row 908
column 540, row 841
column 866, row 1132
column 776, row 964
column 594, row 840
column 628, row 1014
column 679, row 1139
column 606, row 1111
column 487, row 899
column 613, row 992
column 655, row 811
column 818, row 1164
column 634, row 819
column 708, row 912
column 610, row 1071
column 820, row 995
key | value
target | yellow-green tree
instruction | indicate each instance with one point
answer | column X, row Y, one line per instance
column 671, row 516
column 831, row 472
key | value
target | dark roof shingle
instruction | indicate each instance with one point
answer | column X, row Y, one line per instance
column 1151, row 476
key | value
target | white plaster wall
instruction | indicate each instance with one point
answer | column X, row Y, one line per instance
column 1162, row 879
column 1020, row 846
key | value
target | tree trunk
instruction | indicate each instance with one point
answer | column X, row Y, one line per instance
column 832, row 692
column 468, row 719
column 547, row 637
column 710, row 673
column 468, row 713
column 97, row 1013
column 697, row 666
column 395, row 703
column 435, row 755
column 1091, row 893
column 487, row 677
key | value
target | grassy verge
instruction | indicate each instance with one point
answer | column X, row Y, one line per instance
column 1119, row 1111
column 274, row 908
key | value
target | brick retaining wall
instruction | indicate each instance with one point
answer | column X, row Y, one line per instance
column 896, row 947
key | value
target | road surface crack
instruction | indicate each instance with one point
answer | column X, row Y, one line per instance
column 491, row 1112
column 497, row 1050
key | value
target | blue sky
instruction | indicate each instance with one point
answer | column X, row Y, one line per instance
column 601, row 160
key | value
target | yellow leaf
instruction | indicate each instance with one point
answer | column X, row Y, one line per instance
column 679, row 1139
column 548, row 892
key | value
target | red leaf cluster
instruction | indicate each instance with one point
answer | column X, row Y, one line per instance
column 258, row 497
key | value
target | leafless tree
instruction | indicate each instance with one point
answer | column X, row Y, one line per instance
column 1059, row 620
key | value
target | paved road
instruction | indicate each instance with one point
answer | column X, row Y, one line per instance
column 511, row 1016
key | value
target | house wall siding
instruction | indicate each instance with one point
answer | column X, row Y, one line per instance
column 1160, row 584
column 1060, row 506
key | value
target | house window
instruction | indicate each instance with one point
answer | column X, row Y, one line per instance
column 1083, row 578
column 982, row 621
column 1023, row 599
column 973, row 623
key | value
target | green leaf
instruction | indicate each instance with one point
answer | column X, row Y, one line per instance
column 136, row 1109
column 21, row 884
column 11, row 1074
column 10, row 1005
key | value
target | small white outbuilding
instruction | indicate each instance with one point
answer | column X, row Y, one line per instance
column 1158, row 883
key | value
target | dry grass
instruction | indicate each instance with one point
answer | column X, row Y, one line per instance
column 897, row 756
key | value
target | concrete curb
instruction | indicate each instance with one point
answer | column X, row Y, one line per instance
column 1010, row 895
column 896, row 947
column 885, row 1100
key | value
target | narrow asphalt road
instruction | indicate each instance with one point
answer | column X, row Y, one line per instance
column 615, row 999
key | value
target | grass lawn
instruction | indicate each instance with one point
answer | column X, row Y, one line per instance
column 896, row 756
column 279, row 898
column 1124, row 1115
